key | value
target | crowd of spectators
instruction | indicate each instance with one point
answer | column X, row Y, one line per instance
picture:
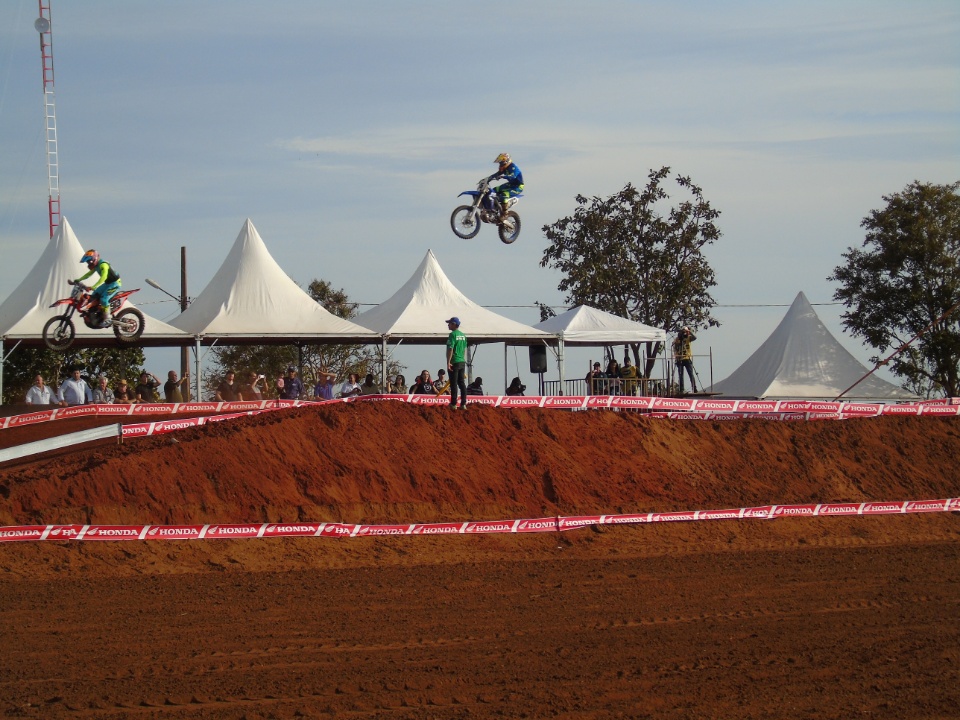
column 79, row 389
column 616, row 379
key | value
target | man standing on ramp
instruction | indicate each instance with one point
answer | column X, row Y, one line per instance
column 457, row 363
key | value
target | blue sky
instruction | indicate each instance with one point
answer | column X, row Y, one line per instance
column 345, row 132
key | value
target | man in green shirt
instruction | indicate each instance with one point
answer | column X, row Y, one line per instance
column 457, row 363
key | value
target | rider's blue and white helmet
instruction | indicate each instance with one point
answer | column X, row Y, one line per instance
column 91, row 258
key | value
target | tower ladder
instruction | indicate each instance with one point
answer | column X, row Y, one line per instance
column 44, row 26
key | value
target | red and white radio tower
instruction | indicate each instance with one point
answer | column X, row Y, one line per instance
column 44, row 26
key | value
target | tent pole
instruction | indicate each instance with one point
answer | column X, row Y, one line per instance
column 383, row 363
column 197, row 370
column 505, row 369
column 560, row 364
column 3, row 360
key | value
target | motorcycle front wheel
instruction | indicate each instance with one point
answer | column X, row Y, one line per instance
column 509, row 229
column 465, row 222
column 128, row 325
column 59, row 332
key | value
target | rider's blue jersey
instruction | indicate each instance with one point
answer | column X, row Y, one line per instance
column 511, row 173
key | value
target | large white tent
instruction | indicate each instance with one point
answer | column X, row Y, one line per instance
column 801, row 359
column 587, row 326
column 417, row 312
column 251, row 299
column 27, row 309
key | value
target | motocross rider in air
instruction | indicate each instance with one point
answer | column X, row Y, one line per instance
column 106, row 286
column 508, row 171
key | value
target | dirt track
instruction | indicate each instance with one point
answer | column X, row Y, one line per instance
column 824, row 618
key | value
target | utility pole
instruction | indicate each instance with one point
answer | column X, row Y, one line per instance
column 184, row 302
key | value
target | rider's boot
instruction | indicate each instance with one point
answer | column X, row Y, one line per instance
column 107, row 318
column 504, row 207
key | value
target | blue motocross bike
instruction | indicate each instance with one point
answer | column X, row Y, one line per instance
column 466, row 219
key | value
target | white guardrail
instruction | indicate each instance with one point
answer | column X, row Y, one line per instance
column 61, row 441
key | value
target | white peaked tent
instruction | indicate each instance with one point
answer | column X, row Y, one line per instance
column 584, row 325
column 417, row 311
column 24, row 313
column 587, row 326
column 801, row 359
column 252, row 300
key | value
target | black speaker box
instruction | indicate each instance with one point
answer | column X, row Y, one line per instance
column 538, row 358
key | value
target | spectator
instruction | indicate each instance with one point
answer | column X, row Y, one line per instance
column 39, row 393
column 423, row 385
column 440, row 385
column 323, row 390
column 369, row 387
column 457, row 362
column 683, row 356
column 147, row 389
column 594, row 380
column 74, row 390
column 102, row 394
column 629, row 374
column 292, row 388
column 613, row 377
column 124, row 394
column 476, row 387
column 351, row 388
column 398, row 386
column 516, row 387
column 172, row 392
column 250, row 390
column 228, row 390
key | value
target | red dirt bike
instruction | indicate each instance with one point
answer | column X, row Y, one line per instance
column 59, row 331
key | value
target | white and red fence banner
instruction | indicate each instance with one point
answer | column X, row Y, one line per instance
column 238, row 531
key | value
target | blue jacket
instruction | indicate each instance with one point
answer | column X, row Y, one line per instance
column 511, row 173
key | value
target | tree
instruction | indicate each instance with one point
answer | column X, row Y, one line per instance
column 620, row 254
column 272, row 360
column 904, row 279
column 25, row 363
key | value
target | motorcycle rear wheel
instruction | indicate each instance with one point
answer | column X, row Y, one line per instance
column 128, row 325
column 465, row 222
column 59, row 332
column 509, row 228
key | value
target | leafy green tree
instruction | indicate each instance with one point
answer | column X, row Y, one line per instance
column 273, row 360
column 903, row 280
column 632, row 255
column 25, row 363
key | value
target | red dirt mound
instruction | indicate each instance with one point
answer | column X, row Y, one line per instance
column 793, row 618
column 389, row 461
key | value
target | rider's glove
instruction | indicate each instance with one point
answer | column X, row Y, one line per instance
column 71, row 282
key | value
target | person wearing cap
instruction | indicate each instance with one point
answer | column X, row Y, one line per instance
column 74, row 390
column 441, row 386
column 124, row 394
column 683, row 356
column 595, row 380
column 292, row 385
column 457, row 363
column 102, row 394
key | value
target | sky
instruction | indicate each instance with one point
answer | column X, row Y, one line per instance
column 345, row 132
